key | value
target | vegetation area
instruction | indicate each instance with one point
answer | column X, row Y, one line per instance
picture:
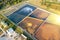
column 1, row 31
column 7, row 22
column 4, row 3
column 18, row 30
column 51, row 4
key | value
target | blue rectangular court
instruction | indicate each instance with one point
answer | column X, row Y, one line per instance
column 20, row 14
